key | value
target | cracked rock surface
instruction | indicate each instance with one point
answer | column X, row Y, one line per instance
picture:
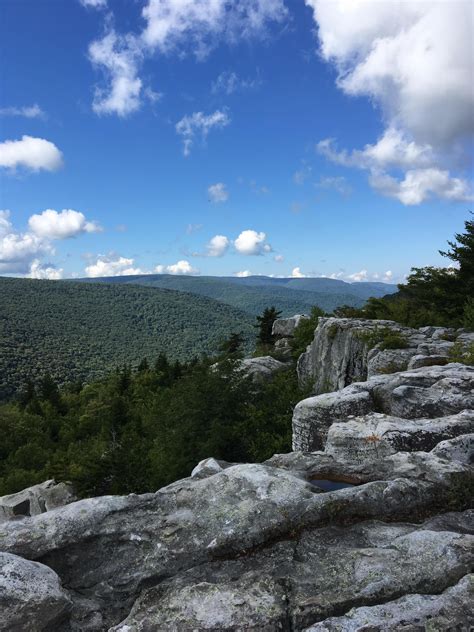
column 367, row 526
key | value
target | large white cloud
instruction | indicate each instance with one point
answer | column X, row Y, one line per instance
column 218, row 193
column 217, row 246
column 52, row 224
column 414, row 60
column 18, row 250
column 32, row 153
column 112, row 265
column 249, row 242
column 200, row 124
column 182, row 267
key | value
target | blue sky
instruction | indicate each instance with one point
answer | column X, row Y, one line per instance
column 275, row 137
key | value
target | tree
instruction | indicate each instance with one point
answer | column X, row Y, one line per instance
column 231, row 348
column 462, row 253
column 265, row 326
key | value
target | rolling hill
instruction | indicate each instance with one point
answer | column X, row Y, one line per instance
column 252, row 294
column 78, row 331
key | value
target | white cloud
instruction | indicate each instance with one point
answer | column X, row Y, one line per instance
column 303, row 174
column 68, row 223
column 243, row 274
column 388, row 276
column 41, row 271
column 199, row 124
column 398, row 54
column 297, row 274
column 182, row 267
column 119, row 56
column 218, row 193
column 419, row 185
column 217, row 246
column 193, row 228
column 112, row 265
column 229, row 82
column 18, row 250
column 96, row 4
column 358, row 276
column 31, row 111
column 249, row 242
column 31, row 153
column 201, row 24
column 279, row 258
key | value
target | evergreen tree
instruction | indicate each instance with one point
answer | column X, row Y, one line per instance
column 265, row 326
column 232, row 346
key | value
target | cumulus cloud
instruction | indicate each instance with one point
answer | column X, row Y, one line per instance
column 18, row 250
column 31, row 153
column 218, row 193
column 44, row 271
column 119, row 58
column 358, row 276
column 112, row 265
column 297, row 274
column 398, row 54
column 200, row 124
column 249, row 242
column 418, row 185
column 52, row 224
column 229, row 82
column 243, row 274
column 31, row 111
column 182, row 267
column 217, row 246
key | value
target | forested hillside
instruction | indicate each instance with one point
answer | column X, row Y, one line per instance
column 254, row 294
column 77, row 331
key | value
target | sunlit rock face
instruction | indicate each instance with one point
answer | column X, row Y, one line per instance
column 347, row 350
column 266, row 547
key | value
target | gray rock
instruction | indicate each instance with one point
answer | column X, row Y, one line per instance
column 428, row 392
column 375, row 436
column 285, row 327
column 208, row 467
column 36, row 499
column 420, row 360
column 388, row 361
column 262, row 369
column 458, row 449
column 451, row 610
column 31, row 596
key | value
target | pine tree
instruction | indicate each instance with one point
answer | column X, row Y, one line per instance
column 265, row 326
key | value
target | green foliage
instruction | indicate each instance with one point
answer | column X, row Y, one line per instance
column 385, row 337
column 136, row 431
column 304, row 333
column 232, row 347
column 458, row 353
column 433, row 296
column 264, row 325
column 80, row 331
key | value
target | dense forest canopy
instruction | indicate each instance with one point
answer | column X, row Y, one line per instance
column 77, row 331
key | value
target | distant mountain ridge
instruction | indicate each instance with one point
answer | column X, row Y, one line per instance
column 252, row 294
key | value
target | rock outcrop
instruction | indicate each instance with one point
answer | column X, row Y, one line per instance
column 36, row 499
column 263, row 368
column 367, row 525
column 283, row 330
column 347, row 350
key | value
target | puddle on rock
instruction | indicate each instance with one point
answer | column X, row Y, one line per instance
column 329, row 486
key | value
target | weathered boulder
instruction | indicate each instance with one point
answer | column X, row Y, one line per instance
column 458, row 449
column 453, row 609
column 376, row 435
column 263, row 368
column 31, row 596
column 347, row 350
column 427, row 392
column 36, row 499
column 285, row 327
